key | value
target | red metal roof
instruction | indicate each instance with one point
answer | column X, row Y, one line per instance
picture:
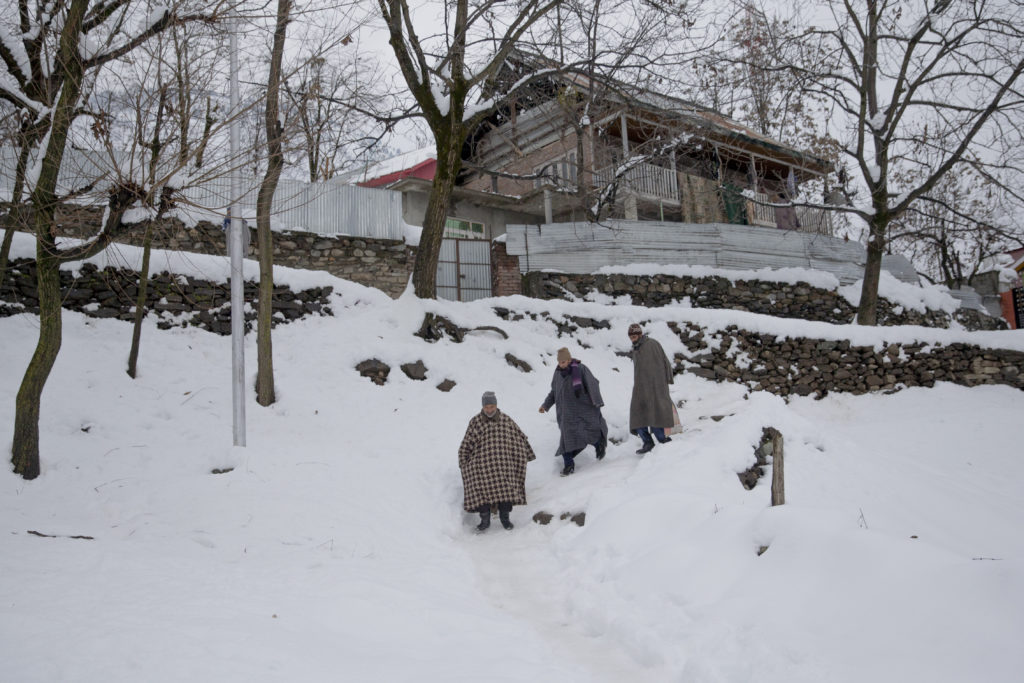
column 424, row 169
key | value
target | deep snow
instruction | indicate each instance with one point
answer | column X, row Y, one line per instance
column 336, row 549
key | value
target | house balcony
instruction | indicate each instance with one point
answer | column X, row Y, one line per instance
column 661, row 185
column 809, row 219
column 645, row 180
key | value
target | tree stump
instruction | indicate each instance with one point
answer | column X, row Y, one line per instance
column 778, row 472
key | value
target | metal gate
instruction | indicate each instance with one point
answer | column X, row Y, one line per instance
column 464, row 269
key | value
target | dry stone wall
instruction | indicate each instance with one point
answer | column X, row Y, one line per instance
column 177, row 300
column 804, row 366
column 783, row 300
column 384, row 264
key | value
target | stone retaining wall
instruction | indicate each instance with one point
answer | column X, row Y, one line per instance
column 805, row 367
column 784, row 300
column 177, row 300
column 384, row 264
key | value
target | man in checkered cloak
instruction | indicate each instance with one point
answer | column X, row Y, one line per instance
column 493, row 457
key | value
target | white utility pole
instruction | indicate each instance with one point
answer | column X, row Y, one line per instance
column 235, row 251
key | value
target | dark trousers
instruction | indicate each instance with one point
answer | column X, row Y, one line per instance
column 599, row 446
column 645, row 435
column 503, row 509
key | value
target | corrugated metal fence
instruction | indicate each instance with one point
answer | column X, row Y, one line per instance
column 464, row 269
column 585, row 247
column 326, row 208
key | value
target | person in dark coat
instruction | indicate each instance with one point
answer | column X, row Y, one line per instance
column 492, row 458
column 650, row 409
column 576, row 395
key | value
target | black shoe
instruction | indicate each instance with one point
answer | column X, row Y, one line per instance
column 666, row 439
column 601, row 448
column 503, row 511
column 568, row 469
column 485, row 521
column 647, row 448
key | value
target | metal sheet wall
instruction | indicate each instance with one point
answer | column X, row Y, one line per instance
column 326, row 208
column 585, row 247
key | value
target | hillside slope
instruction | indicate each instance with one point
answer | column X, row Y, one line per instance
column 336, row 547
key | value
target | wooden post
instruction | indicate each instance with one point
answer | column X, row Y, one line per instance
column 778, row 474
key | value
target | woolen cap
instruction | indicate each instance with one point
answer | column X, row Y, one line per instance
column 635, row 329
column 488, row 399
column 563, row 354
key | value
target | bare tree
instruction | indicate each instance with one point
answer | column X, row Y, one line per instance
column 53, row 55
column 937, row 76
column 265, row 247
column 442, row 81
column 327, row 99
column 750, row 64
column 957, row 228
column 148, row 118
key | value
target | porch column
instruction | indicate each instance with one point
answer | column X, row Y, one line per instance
column 629, row 201
column 625, row 136
column 752, row 207
column 675, row 174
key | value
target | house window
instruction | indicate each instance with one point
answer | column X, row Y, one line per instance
column 458, row 227
column 562, row 168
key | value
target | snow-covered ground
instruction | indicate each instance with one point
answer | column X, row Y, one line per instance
column 337, row 549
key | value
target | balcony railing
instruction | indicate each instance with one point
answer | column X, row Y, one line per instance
column 759, row 212
column 810, row 219
column 646, row 180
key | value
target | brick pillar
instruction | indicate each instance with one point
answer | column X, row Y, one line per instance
column 1007, row 306
column 505, row 277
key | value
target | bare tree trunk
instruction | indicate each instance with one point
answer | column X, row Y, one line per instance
column 5, row 248
column 424, row 275
column 264, row 236
column 778, row 471
column 140, row 303
column 867, row 311
column 25, row 448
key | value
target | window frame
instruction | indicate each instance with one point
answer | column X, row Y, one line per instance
column 467, row 233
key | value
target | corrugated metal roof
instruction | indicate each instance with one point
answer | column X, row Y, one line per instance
column 585, row 247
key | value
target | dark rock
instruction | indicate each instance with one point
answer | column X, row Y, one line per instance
column 435, row 327
column 376, row 370
column 416, row 371
column 577, row 518
column 521, row 365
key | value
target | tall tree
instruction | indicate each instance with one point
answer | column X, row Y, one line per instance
column 937, row 76
column 442, row 81
column 264, row 236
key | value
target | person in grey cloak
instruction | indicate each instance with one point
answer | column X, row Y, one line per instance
column 492, row 458
column 576, row 395
column 650, row 409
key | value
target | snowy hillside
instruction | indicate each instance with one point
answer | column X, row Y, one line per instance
column 336, row 548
